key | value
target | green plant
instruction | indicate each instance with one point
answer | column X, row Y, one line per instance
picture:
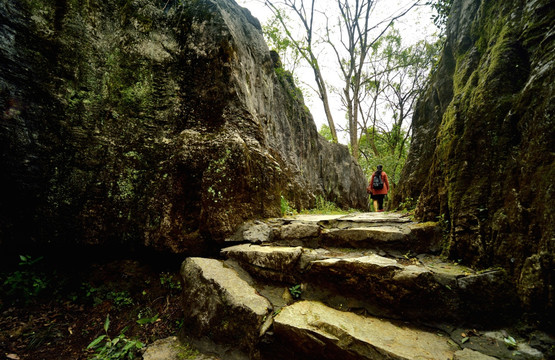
column 407, row 205
column 169, row 281
column 286, row 209
column 323, row 206
column 120, row 298
column 510, row 342
column 26, row 283
column 295, row 291
column 148, row 320
column 117, row 348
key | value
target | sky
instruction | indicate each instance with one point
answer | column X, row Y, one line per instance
column 415, row 26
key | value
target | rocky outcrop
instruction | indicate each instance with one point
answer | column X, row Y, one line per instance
column 151, row 123
column 482, row 156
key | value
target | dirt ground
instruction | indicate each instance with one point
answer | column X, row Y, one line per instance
column 49, row 313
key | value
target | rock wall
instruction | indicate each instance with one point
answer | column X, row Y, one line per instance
column 482, row 159
column 151, row 123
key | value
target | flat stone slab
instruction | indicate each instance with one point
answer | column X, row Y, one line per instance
column 376, row 217
column 322, row 332
column 379, row 231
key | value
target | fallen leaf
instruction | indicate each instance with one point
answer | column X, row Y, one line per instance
column 12, row 357
column 465, row 340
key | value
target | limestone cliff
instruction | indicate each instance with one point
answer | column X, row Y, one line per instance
column 482, row 158
column 150, row 122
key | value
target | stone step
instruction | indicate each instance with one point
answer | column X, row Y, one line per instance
column 230, row 315
column 424, row 288
column 379, row 231
column 315, row 331
column 416, row 238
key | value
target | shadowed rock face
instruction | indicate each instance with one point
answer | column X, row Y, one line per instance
column 482, row 155
column 145, row 122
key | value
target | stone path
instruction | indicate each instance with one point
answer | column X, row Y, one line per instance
column 359, row 286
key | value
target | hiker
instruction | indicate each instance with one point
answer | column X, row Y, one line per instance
column 378, row 188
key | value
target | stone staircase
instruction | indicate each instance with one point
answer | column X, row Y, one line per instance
column 360, row 286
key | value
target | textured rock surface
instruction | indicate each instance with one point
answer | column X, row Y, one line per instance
column 468, row 354
column 484, row 133
column 417, row 291
column 172, row 349
column 318, row 332
column 148, row 122
column 219, row 304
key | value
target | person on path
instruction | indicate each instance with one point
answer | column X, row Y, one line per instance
column 376, row 194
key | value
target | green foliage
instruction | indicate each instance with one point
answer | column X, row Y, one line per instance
column 442, row 9
column 408, row 204
column 170, row 282
column 288, row 80
column 391, row 153
column 326, row 132
column 148, row 320
column 25, row 284
column 295, row 291
column 324, row 206
column 396, row 78
column 117, row 348
column 120, row 298
column 286, row 209
column 277, row 40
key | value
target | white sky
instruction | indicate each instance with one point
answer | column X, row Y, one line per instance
column 415, row 26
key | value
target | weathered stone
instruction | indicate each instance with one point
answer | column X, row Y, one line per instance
column 270, row 257
column 172, row 349
column 521, row 350
column 255, row 232
column 166, row 126
column 283, row 264
column 369, row 237
column 396, row 289
column 259, row 232
column 316, row 331
column 299, row 230
column 219, row 304
column 482, row 152
column 468, row 354
column 426, row 237
column 489, row 296
column 416, row 291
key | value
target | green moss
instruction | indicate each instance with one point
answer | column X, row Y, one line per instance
column 186, row 351
column 426, row 224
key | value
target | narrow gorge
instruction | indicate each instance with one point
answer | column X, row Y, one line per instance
column 165, row 131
